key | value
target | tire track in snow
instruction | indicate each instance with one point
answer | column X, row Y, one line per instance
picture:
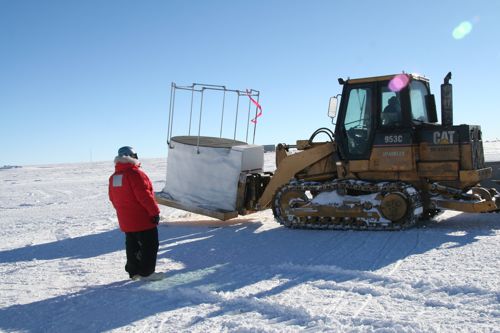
column 343, row 251
column 431, row 295
column 393, row 270
column 381, row 256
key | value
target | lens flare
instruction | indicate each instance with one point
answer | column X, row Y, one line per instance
column 399, row 82
column 462, row 30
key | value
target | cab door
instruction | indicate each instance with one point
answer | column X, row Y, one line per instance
column 393, row 143
column 356, row 122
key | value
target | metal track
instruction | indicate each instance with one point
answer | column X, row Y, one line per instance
column 300, row 195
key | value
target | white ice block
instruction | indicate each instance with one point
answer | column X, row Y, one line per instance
column 207, row 175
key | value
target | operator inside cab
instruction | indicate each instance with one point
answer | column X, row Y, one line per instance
column 391, row 116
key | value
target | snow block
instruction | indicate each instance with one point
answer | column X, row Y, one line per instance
column 204, row 173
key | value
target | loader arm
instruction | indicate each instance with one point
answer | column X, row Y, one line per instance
column 290, row 166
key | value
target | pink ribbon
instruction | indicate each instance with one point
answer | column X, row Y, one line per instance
column 254, row 120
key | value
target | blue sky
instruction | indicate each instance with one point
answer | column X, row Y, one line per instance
column 79, row 79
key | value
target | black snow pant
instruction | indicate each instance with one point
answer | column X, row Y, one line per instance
column 142, row 248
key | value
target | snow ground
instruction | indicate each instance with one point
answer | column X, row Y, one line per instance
column 62, row 258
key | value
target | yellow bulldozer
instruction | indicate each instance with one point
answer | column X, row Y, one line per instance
column 386, row 163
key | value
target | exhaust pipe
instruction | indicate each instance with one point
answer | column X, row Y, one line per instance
column 447, row 101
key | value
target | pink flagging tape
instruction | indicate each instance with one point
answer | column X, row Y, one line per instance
column 254, row 120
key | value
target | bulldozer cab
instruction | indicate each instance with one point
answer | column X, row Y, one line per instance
column 381, row 110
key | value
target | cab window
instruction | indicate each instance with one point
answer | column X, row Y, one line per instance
column 390, row 115
column 418, row 91
column 358, row 120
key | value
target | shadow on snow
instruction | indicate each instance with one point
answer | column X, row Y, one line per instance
column 82, row 247
column 226, row 259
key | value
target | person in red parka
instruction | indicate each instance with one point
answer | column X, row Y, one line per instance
column 131, row 194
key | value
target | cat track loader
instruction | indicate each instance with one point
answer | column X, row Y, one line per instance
column 386, row 164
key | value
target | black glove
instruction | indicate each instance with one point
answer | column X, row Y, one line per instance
column 155, row 219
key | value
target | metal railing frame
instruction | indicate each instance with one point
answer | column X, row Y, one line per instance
column 200, row 88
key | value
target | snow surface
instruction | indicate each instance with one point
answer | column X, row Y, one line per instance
column 62, row 259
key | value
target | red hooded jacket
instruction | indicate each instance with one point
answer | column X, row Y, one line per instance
column 131, row 193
